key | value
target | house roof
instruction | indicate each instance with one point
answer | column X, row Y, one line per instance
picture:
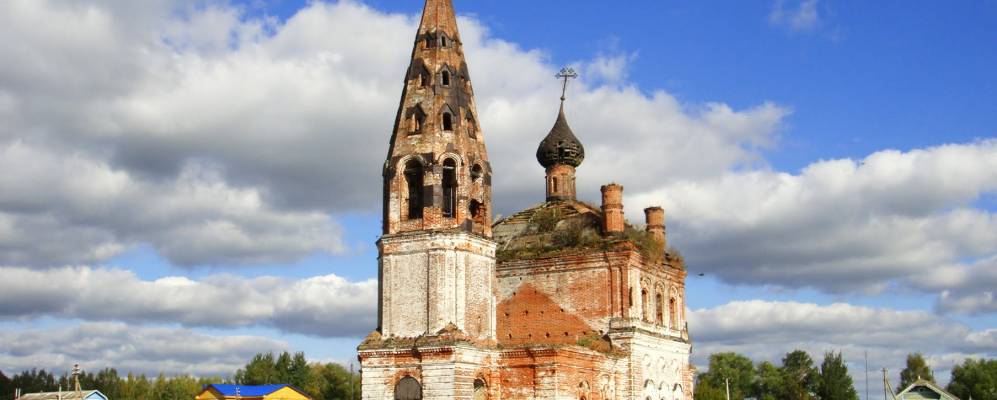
column 928, row 384
column 249, row 390
column 64, row 395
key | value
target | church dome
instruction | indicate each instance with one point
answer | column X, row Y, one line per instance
column 560, row 146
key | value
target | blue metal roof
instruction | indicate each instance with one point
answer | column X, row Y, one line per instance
column 245, row 390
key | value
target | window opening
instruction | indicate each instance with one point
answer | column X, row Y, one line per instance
column 643, row 304
column 480, row 390
column 413, row 179
column 447, row 122
column 443, row 41
column 476, row 173
column 449, row 188
column 660, row 312
column 673, row 318
column 446, row 78
column 472, row 129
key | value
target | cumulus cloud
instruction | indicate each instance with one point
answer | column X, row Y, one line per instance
column 325, row 306
column 72, row 208
column 289, row 120
column 796, row 15
column 141, row 350
column 966, row 289
column 766, row 331
column 839, row 225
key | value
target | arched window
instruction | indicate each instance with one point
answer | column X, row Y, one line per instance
column 480, row 390
column 477, row 211
column 472, row 128
column 417, row 119
column 443, row 41
column 445, row 78
column 659, row 306
column 429, row 42
column 449, row 188
column 447, row 122
column 672, row 313
column 476, row 173
column 408, row 389
column 644, row 310
column 413, row 181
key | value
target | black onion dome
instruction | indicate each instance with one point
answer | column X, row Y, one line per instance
column 560, row 146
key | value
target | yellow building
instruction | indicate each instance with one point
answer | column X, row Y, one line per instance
column 244, row 392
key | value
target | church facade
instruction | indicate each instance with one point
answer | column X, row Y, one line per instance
column 564, row 300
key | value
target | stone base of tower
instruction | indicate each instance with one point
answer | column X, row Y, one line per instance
column 464, row 370
column 457, row 371
column 431, row 280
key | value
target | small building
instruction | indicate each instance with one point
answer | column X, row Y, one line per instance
column 245, row 392
column 925, row 390
column 66, row 395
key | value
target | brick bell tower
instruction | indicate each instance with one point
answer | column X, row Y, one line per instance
column 437, row 259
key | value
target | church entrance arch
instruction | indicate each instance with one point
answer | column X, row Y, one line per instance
column 408, row 389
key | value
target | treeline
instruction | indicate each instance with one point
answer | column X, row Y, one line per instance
column 798, row 378
column 322, row 381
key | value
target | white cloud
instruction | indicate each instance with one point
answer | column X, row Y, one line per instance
column 796, row 15
column 965, row 288
column 325, row 306
column 839, row 225
column 130, row 349
column 72, row 208
column 285, row 121
column 766, row 331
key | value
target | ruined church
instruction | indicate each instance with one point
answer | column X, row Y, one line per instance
column 564, row 300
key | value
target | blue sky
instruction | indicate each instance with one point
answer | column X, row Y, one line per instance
column 827, row 165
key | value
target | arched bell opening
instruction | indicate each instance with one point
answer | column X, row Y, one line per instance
column 450, row 188
column 414, row 189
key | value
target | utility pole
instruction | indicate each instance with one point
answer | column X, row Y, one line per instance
column 352, row 396
column 727, row 386
column 867, row 375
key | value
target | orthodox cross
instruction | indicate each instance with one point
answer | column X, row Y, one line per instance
column 566, row 74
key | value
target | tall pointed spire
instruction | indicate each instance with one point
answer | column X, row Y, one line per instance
column 439, row 16
column 437, row 175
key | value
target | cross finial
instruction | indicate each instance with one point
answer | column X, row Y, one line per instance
column 566, row 74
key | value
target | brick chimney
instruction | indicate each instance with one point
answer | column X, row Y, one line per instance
column 655, row 219
column 612, row 209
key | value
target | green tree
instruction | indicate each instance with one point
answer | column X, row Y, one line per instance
column 336, row 382
column 801, row 376
column 705, row 391
column 835, row 383
column 177, row 387
column 735, row 367
column 136, row 387
column 35, row 381
column 5, row 386
column 770, row 382
column 107, row 382
column 299, row 372
column 976, row 379
column 917, row 368
column 261, row 370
